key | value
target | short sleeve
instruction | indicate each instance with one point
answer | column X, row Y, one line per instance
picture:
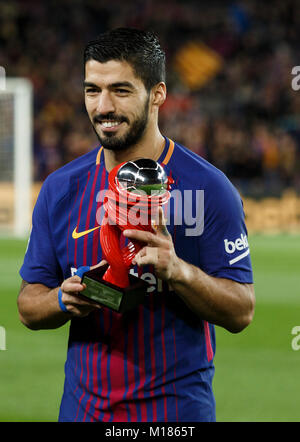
column 40, row 263
column 223, row 247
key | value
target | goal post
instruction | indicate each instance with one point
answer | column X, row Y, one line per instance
column 16, row 157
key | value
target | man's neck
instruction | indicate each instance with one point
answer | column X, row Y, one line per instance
column 146, row 148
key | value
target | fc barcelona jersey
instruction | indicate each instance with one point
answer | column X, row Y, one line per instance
column 155, row 362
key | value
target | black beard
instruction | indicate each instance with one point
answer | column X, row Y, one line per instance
column 112, row 142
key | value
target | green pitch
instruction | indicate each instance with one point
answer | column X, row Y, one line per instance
column 32, row 366
column 257, row 371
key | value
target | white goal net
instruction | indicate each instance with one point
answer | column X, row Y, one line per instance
column 15, row 157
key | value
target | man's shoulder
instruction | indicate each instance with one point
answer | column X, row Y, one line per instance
column 196, row 169
column 76, row 166
column 57, row 185
column 194, row 173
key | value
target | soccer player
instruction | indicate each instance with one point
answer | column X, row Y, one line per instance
column 154, row 363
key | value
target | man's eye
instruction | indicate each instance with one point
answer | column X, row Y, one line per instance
column 91, row 91
column 122, row 91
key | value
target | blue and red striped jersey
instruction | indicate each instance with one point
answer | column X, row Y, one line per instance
column 154, row 363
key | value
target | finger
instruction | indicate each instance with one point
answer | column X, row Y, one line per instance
column 82, row 301
column 161, row 227
column 72, row 287
column 74, row 278
column 147, row 237
column 140, row 254
column 143, row 252
column 80, row 311
column 78, row 301
column 100, row 264
column 147, row 256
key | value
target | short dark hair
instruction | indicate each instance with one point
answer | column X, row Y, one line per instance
column 141, row 49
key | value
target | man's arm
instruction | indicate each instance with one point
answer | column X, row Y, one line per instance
column 39, row 307
column 219, row 301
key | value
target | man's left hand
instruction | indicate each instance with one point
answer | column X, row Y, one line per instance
column 158, row 250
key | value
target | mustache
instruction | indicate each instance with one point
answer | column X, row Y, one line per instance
column 110, row 116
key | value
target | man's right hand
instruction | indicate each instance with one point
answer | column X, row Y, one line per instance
column 39, row 307
column 75, row 304
column 71, row 289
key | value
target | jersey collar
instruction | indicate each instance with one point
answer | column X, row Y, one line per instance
column 163, row 159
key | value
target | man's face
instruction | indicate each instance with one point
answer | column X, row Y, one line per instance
column 117, row 103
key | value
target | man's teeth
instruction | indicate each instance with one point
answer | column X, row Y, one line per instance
column 110, row 123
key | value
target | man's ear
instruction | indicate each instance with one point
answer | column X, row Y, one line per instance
column 159, row 94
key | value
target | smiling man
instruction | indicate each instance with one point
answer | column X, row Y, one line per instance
column 116, row 131
column 156, row 362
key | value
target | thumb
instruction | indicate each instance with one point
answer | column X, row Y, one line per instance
column 161, row 227
column 100, row 264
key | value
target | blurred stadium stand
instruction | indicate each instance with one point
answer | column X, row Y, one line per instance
column 229, row 80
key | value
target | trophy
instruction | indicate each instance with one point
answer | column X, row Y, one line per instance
column 136, row 190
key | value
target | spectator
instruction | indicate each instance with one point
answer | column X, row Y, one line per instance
column 244, row 120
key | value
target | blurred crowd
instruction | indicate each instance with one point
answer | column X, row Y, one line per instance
column 244, row 119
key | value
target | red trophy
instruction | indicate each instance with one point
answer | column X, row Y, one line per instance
column 136, row 190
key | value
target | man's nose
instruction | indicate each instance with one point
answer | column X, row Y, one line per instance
column 105, row 103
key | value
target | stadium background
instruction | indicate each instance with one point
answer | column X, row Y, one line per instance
column 230, row 100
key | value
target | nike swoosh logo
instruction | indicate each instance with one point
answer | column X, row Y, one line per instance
column 76, row 235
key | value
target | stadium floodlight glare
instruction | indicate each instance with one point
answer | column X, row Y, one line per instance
column 16, row 156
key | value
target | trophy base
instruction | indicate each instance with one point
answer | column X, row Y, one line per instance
column 110, row 295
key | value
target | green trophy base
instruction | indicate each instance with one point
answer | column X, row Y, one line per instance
column 110, row 295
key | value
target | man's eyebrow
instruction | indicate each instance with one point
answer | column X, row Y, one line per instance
column 122, row 84
column 89, row 84
column 118, row 84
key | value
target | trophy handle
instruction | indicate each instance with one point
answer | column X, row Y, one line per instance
column 130, row 251
column 117, row 272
